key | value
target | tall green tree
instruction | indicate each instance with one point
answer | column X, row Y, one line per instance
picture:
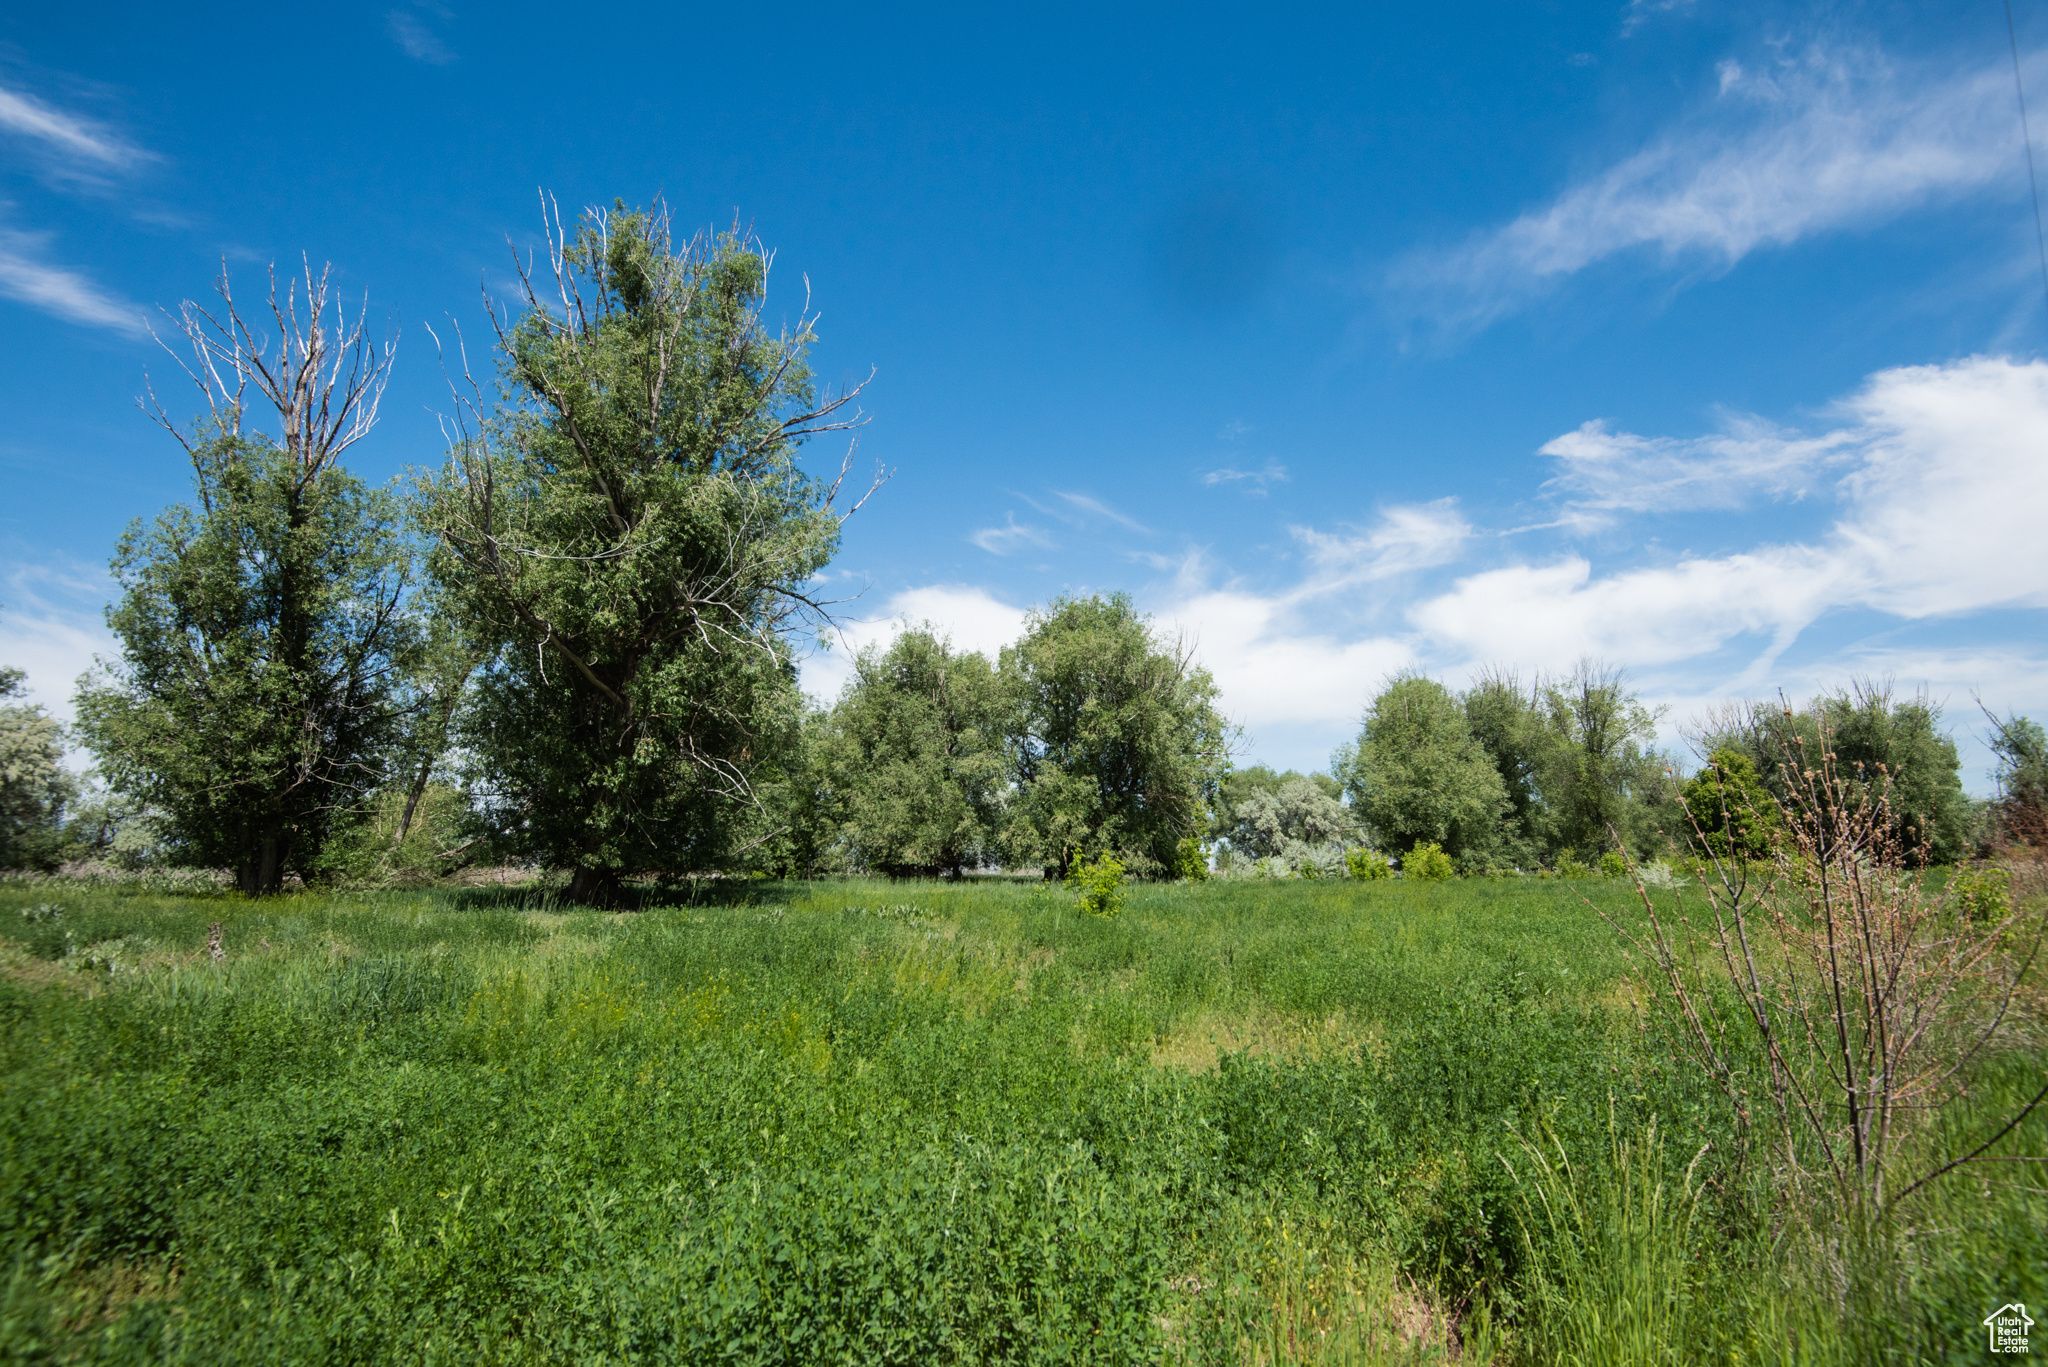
column 1416, row 773
column 1509, row 723
column 35, row 788
column 1884, row 745
column 1602, row 775
column 914, row 757
column 630, row 537
column 266, row 632
column 1255, row 820
column 1117, row 743
column 1729, row 811
column 2022, row 807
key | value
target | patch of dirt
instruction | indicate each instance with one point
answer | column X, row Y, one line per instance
column 102, row 1293
column 1197, row 1045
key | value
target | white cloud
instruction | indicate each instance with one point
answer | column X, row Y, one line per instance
column 1008, row 537
column 68, row 134
column 1258, row 480
column 27, row 277
column 1102, row 510
column 415, row 39
column 1407, row 537
column 1813, row 144
column 1547, row 616
column 972, row 618
column 1274, row 673
column 51, row 625
column 1942, row 515
column 1951, row 499
column 1615, row 472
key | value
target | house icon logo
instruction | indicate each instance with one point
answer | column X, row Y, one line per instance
column 2008, row 1326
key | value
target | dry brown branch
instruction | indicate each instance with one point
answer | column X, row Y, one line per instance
column 1865, row 997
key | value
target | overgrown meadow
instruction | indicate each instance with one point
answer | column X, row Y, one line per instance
column 929, row 1122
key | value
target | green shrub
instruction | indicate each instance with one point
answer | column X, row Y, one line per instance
column 1984, row 893
column 1191, row 861
column 1428, row 862
column 1569, row 865
column 1367, row 864
column 1099, row 881
column 1613, row 865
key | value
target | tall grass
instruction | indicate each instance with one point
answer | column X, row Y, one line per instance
column 876, row 1122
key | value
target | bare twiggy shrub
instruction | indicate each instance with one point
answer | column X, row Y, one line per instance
column 1829, row 993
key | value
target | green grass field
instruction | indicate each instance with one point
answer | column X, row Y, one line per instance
column 919, row 1123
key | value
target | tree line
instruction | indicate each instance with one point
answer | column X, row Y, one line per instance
column 574, row 644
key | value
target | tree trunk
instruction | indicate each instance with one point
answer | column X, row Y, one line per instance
column 593, row 887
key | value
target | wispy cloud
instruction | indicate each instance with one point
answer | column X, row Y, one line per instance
column 1641, row 12
column 415, row 39
column 1609, row 473
column 1256, row 481
column 1942, row 509
column 68, row 134
column 1805, row 146
column 1406, row 538
column 1096, row 507
column 52, row 627
column 26, row 276
column 1008, row 537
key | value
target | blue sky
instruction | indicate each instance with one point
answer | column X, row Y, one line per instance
column 1701, row 338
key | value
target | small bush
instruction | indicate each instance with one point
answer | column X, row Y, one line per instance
column 1368, row 864
column 1984, row 893
column 1569, row 865
column 1190, row 862
column 1613, row 865
column 1099, row 881
column 1428, row 862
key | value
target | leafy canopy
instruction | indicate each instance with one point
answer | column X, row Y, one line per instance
column 1416, row 773
column 914, row 759
column 1118, row 746
column 266, row 642
column 631, row 539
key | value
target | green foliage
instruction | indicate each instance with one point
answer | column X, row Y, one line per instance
column 1368, row 864
column 1241, row 1122
column 1897, row 740
column 1428, row 863
column 2021, row 746
column 1510, row 725
column 1601, row 776
column 35, row 788
column 1100, row 883
column 1879, row 743
column 912, row 760
column 629, row 538
column 1569, row 865
column 1117, row 742
column 1985, row 894
column 1293, row 821
column 1417, row 774
column 1730, row 812
column 1191, row 863
column 405, row 838
column 266, row 640
column 1613, row 865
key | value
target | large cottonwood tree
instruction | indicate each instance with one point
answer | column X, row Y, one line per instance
column 628, row 534
column 266, row 629
column 913, row 759
column 1117, row 743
